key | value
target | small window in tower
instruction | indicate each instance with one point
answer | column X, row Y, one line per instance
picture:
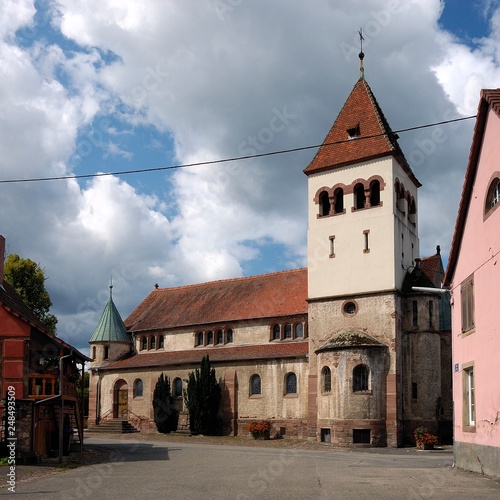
column 350, row 308
column 106, row 352
column 144, row 343
column 326, row 379
column 414, row 390
column 210, row 337
column 375, row 193
column 324, row 204
column 366, row 248
column 332, row 247
column 353, row 132
column 360, row 376
column 415, row 313
column 359, row 196
column 93, row 352
column 288, row 331
column 339, row 200
column 229, row 336
column 161, row 342
column 153, row 342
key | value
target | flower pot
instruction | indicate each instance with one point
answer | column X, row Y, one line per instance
column 425, row 446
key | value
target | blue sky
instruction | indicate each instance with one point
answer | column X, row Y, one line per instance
column 101, row 86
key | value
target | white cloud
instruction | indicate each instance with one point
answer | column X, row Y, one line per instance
column 257, row 76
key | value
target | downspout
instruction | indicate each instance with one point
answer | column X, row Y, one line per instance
column 61, row 421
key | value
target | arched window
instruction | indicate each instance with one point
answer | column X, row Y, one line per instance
column 106, row 352
column 326, row 379
column 161, row 342
column 153, row 342
column 359, row 196
column 276, row 332
column 291, row 383
column 324, row 204
column 360, row 378
column 138, row 391
column 220, row 337
column 229, row 336
column 412, row 211
column 339, row 200
column 299, row 330
column 375, row 193
column 144, row 343
column 93, row 352
column 177, row 388
column 255, row 385
column 199, row 338
column 493, row 196
column 288, row 331
column 210, row 337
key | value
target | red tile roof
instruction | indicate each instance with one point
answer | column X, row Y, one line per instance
column 375, row 138
column 269, row 295
column 489, row 98
column 433, row 268
column 293, row 349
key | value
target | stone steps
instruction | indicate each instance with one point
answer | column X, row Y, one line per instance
column 115, row 426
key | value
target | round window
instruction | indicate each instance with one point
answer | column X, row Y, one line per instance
column 350, row 308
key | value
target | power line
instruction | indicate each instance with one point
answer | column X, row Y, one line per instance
column 223, row 160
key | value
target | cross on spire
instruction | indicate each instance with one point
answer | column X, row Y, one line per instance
column 361, row 55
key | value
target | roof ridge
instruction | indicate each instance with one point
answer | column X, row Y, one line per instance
column 228, row 280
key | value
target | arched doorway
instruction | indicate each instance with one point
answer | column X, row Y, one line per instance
column 120, row 399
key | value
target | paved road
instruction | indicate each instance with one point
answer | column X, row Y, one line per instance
column 161, row 470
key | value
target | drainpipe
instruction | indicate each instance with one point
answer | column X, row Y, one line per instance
column 61, row 422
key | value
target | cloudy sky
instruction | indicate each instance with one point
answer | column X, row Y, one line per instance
column 99, row 86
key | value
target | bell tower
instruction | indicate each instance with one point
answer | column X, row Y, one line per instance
column 362, row 239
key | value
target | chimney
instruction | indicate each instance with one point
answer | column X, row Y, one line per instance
column 2, row 257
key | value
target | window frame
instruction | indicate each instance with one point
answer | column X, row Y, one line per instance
column 175, row 393
column 492, row 198
column 467, row 305
column 138, row 389
column 361, row 381
column 255, row 378
column 291, row 389
column 469, row 400
column 326, row 380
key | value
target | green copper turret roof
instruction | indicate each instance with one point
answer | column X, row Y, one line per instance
column 110, row 327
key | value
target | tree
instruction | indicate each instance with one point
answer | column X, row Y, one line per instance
column 166, row 415
column 28, row 280
column 202, row 398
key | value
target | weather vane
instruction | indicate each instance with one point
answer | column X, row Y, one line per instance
column 361, row 55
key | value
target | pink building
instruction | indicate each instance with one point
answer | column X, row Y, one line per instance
column 473, row 276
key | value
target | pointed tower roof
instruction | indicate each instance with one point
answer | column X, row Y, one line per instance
column 110, row 327
column 360, row 133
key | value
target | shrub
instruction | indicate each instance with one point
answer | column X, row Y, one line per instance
column 166, row 415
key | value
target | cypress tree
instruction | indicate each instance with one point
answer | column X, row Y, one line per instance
column 166, row 415
column 202, row 398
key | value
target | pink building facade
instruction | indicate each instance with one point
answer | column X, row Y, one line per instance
column 473, row 276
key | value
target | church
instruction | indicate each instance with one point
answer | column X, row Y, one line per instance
column 345, row 351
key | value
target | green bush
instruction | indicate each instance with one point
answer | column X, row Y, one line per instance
column 202, row 398
column 166, row 415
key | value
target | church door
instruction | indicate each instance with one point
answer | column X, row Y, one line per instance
column 121, row 400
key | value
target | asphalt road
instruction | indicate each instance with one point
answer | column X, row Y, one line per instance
column 160, row 470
